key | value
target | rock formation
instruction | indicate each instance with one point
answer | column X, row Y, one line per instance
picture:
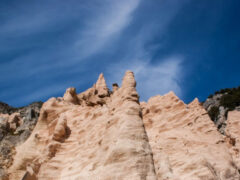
column 233, row 134
column 219, row 117
column 185, row 142
column 219, row 104
column 109, row 135
column 100, row 137
column 16, row 125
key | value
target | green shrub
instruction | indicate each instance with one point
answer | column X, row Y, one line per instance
column 230, row 97
column 231, row 100
column 213, row 113
column 222, row 91
column 210, row 96
column 217, row 92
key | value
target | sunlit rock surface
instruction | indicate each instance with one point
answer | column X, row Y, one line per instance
column 185, row 142
column 233, row 134
column 108, row 135
column 105, row 140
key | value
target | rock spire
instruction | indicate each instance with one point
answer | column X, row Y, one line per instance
column 105, row 135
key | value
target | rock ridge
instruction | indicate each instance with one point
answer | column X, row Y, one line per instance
column 115, row 147
column 109, row 135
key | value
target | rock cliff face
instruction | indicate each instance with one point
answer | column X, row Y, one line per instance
column 219, row 104
column 16, row 125
column 93, row 135
column 185, row 142
column 109, row 135
column 233, row 134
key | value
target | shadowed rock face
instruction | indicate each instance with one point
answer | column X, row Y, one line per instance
column 104, row 135
column 6, row 109
column 219, row 104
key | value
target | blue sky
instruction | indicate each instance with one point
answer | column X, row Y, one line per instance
column 189, row 47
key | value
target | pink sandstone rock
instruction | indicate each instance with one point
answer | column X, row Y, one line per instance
column 185, row 142
column 12, row 121
column 233, row 135
column 101, row 87
column 60, row 130
column 71, row 96
column 103, row 135
column 106, row 141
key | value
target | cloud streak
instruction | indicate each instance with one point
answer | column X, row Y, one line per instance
column 153, row 79
column 55, row 45
column 154, row 75
column 105, row 27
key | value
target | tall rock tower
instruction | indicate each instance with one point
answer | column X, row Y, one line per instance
column 108, row 135
column 95, row 135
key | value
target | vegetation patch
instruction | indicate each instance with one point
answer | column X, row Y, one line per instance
column 213, row 113
column 230, row 99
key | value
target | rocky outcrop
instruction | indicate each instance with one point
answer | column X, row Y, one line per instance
column 71, row 96
column 217, row 112
column 233, row 134
column 107, row 135
column 6, row 109
column 96, row 95
column 220, row 103
column 16, row 125
column 104, row 140
column 185, row 142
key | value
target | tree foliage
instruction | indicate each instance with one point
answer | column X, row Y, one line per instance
column 213, row 113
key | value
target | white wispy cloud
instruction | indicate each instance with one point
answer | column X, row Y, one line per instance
column 104, row 27
column 100, row 28
column 152, row 79
column 154, row 75
column 57, row 41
